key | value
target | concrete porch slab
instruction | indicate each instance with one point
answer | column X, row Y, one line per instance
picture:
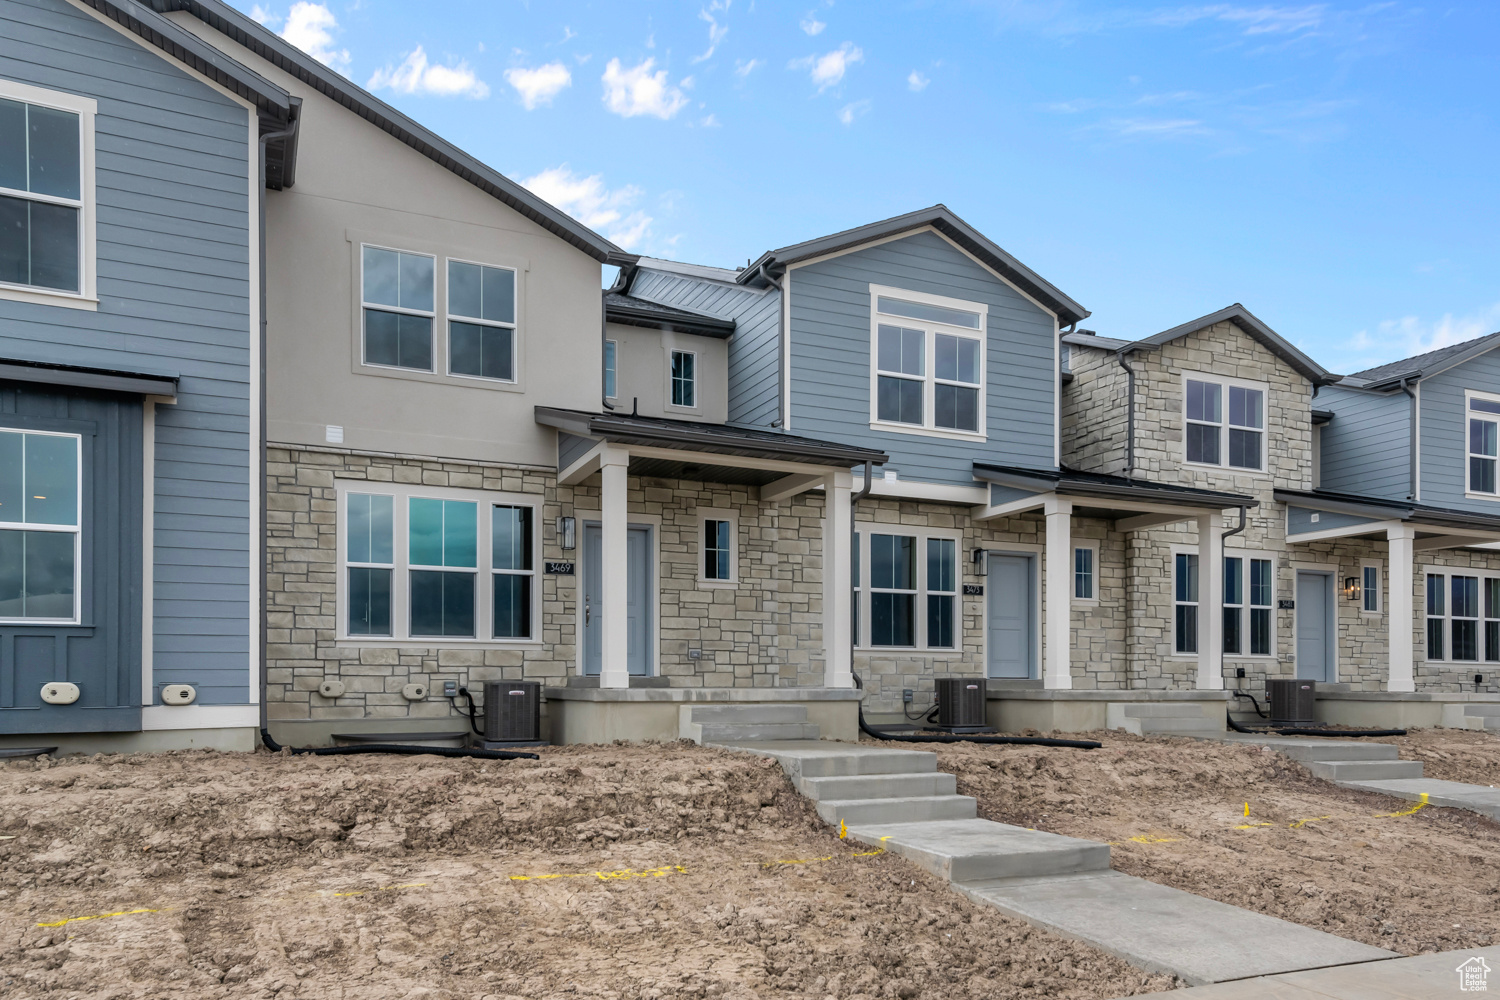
column 1167, row 930
column 1482, row 799
column 603, row 715
column 1424, row 977
column 967, row 849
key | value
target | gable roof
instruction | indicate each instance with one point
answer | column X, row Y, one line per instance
column 275, row 50
column 1422, row 365
column 1258, row 331
column 941, row 218
column 628, row 310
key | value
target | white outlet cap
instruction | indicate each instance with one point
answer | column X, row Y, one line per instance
column 331, row 688
column 179, row 694
column 60, row 693
column 414, row 692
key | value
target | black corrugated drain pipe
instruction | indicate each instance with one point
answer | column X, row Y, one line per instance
column 1295, row 731
column 396, row 748
column 1031, row 741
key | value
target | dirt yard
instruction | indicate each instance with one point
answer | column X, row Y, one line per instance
column 374, row 878
column 1309, row 852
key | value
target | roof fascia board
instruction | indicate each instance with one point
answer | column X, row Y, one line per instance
column 1352, row 507
column 1143, row 492
column 144, row 383
column 654, row 321
column 1454, row 362
column 1248, row 322
column 1041, row 482
column 271, row 47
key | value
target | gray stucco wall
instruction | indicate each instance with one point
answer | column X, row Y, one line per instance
column 754, row 350
column 1366, row 446
column 1444, row 426
column 174, row 262
column 830, row 323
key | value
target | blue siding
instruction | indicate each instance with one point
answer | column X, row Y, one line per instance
column 1005, row 494
column 830, row 320
column 570, row 448
column 174, row 218
column 1367, row 444
column 1299, row 520
column 1443, row 444
column 755, row 348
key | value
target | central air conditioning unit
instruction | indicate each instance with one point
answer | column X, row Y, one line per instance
column 960, row 703
column 512, row 714
column 1292, row 703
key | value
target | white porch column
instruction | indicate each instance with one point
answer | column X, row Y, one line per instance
column 1399, row 611
column 614, row 520
column 838, row 523
column 1210, row 603
column 1057, row 613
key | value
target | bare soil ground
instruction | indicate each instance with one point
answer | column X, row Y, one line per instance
column 1308, row 852
column 380, row 878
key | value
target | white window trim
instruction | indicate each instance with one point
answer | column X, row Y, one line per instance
column 449, row 316
column 75, row 529
column 863, row 591
column 1174, row 653
column 1448, row 573
column 1469, row 491
column 1265, row 431
column 401, row 635
column 1379, row 566
column 432, row 333
column 606, row 368
column 929, row 378
column 706, row 514
column 1245, row 606
column 86, row 108
column 1092, row 546
column 672, row 352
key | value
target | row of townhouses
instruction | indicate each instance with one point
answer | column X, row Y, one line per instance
column 305, row 412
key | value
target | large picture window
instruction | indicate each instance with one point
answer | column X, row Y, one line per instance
column 928, row 370
column 1484, row 422
column 398, row 307
column 1463, row 617
column 1247, row 605
column 1225, row 423
column 437, row 565
column 481, row 321
column 42, row 192
column 39, row 526
column 910, row 594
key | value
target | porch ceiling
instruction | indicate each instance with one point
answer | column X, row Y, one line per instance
column 698, row 472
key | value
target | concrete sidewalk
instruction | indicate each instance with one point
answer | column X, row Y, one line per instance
column 1425, row 977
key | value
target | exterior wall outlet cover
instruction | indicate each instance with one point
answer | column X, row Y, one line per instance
column 450, row 689
column 331, row 689
column 414, row 692
column 179, row 694
column 60, row 693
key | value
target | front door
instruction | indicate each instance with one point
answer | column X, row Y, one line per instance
column 638, row 598
column 1012, row 613
column 1315, row 628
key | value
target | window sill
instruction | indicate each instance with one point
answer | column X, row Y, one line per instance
column 937, row 432
column 1372, row 614
column 40, row 296
column 909, row 650
column 1086, row 602
column 1251, row 656
column 718, row 584
column 1227, row 469
column 384, row 642
column 434, row 377
column 1490, row 497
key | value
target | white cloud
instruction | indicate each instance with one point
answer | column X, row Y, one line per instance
column 828, row 69
column 588, row 200
column 538, row 86
column 744, row 67
column 261, row 15
column 638, row 91
column 416, row 76
column 710, row 121
column 310, row 27
column 1259, row 20
column 811, row 25
column 916, row 81
column 716, row 31
column 1162, row 127
column 1394, row 339
column 849, row 112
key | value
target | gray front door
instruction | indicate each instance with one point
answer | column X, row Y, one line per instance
column 1012, row 613
column 638, row 598
column 1315, row 628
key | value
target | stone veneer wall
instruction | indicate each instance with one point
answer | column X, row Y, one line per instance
column 764, row 632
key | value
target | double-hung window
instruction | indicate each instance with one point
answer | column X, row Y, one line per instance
column 397, row 295
column 928, row 362
column 1453, row 616
column 1484, row 421
column 718, row 557
column 684, row 379
column 1369, row 587
column 481, row 321
column 1247, row 605
column 911, row 596
column 893, row 590
column 441, row 565
column 45, row 189
column 40, row 513
column 942, row 592
column 1225, row 423
column 1185, row 603
column 1084, row 558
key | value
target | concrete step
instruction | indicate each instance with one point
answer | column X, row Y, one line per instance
column 878, row 786
column 1364, row 770
column 1166, row 726
column 1489, row 708
column 963, row 849
column 1316, row 748
column 823, row 759
column 1165, row 710
column 1160, row 929
column 747, row 715
column 719, row 733
column 912, row 809
column 1481, row 799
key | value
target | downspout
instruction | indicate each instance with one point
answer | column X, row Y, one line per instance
column 1129, row 411
column 621, row 286
column 1235, row 530
column 1411, row 444
column 260, row 487
column 764, row 272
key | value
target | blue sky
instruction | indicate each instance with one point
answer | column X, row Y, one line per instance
column 1333, row 166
